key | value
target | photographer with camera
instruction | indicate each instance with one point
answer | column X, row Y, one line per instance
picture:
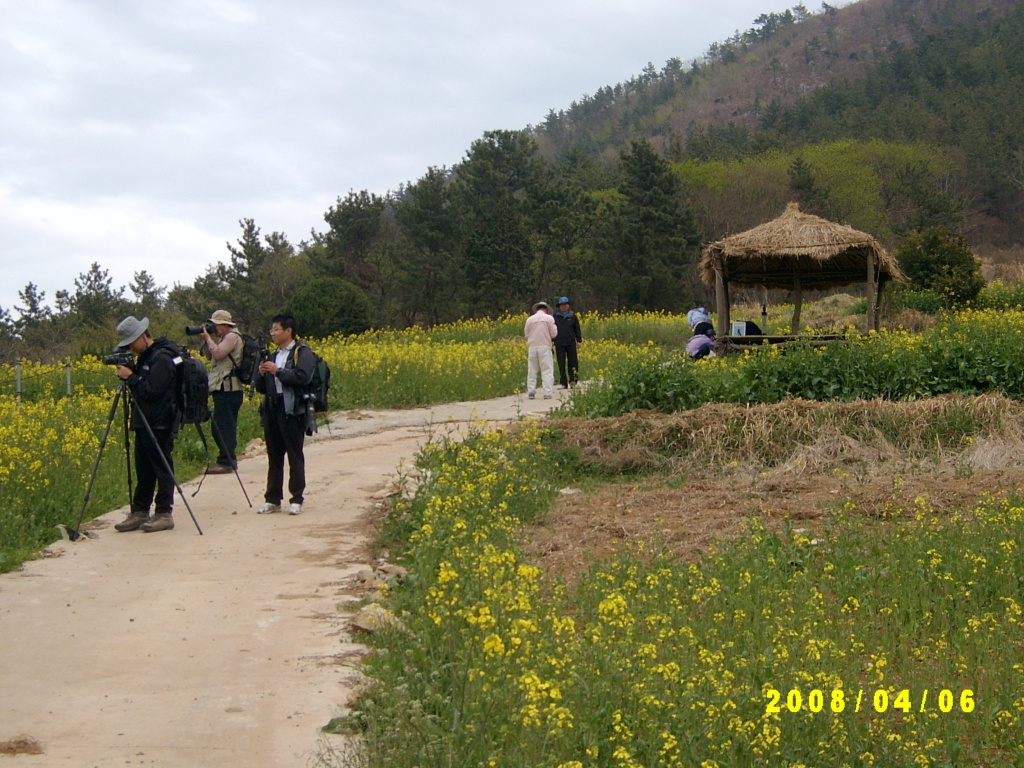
column 284, row 411
column 151, row 384
column 223, row 345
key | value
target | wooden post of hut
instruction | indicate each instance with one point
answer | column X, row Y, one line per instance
column 721, row 298
column 872, row 293
column 878, row 304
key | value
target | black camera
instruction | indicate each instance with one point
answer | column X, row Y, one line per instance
column 195, row 330
column 119, row 358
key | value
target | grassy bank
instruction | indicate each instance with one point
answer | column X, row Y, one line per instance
column 966, row 353
column 880, row 641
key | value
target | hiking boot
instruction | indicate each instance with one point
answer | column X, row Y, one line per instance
column 133, row 522
column 295, row 509
column 161, row 521
column 531, row 395
column 268, row 509
column 219, row 469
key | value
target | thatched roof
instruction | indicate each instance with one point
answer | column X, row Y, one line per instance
column 822, row 253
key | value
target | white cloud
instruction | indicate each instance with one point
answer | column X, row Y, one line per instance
column 137, row 134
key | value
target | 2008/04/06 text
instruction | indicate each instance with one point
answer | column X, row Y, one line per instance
column 881, row 701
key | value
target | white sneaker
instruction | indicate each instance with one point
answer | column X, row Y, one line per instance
column 295, row 509
column 268, row 508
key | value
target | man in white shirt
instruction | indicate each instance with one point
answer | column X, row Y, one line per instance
column 283, row 412
column 540, row 331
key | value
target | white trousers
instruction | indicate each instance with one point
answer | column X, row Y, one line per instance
column 540, row 359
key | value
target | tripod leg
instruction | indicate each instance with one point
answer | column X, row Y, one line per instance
column 167, row 466
column 127, row 447
column 206, row 450
column 75, row 535
column 217, row 438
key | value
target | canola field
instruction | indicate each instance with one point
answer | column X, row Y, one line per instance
column 49, row 440
column 895, row 643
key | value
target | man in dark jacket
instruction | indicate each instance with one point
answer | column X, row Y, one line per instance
column 151, row 384
column 567, row 342
column 282, row 381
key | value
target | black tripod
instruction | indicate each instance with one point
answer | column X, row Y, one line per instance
column 125, row 393
column 219, row 442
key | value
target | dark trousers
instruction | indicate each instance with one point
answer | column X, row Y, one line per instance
column 284, row 436
column 150, row 473
column 226, row 406
column 703, row 351
column 567, row 354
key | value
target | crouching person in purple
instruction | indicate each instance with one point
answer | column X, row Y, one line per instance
column 702, row 343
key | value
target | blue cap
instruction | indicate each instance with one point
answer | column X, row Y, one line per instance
column 564, row 300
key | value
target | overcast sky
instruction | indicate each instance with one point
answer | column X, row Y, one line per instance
column 137, row 134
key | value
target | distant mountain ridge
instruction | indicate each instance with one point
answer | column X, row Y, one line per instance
column 785, row 58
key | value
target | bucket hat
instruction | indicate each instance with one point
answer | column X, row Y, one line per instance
column 129, row 329
column 222, row 317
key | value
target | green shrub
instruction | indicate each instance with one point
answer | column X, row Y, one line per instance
column 329, row 305
column 927, row 301
column 939, row 261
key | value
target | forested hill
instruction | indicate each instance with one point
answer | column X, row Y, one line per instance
column 713, row 105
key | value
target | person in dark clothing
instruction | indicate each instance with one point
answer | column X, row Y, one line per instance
column 283, row 413
column 567, row 343
column 151, row 384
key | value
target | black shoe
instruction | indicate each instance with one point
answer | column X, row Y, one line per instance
column 219, row 469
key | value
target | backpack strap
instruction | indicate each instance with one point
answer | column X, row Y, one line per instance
column 234, row 365
column 295, row 352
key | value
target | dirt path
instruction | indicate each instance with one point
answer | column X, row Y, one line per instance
column 227, row 649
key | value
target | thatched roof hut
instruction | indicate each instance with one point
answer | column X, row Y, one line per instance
column 797, row 251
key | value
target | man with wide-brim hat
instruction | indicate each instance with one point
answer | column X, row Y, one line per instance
column 225, row 348
column 151, row 385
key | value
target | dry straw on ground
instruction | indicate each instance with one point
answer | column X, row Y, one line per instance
column 814, row 434
column 694, row 478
